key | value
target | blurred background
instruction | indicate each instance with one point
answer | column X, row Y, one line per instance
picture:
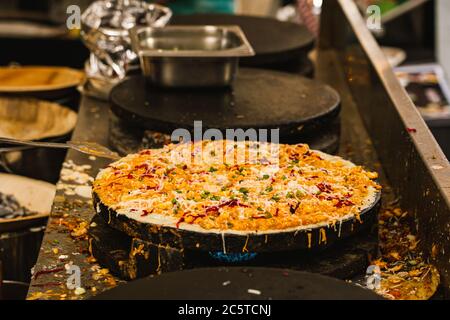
column 33, row 32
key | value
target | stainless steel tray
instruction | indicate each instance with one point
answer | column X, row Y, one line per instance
column 190, row 56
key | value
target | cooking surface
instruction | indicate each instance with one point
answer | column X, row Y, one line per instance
column 272, row 40
column 239, row 283
column 113, row 249
column 126, row 138
column 66, row 236
column 259, row 99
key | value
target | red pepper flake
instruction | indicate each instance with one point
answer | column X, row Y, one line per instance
column 147, row 151
column 343, row 202
column 182, row 218
column 142, row 166
column 198, row 216
column 212, row 210
column 294, row 156
column 329, row 198
column 130, row 176
column 293, row 209
column 259, row 217
column 276, row 212
column 324, row 187
column 186, row 214
column 41, row 272
column 232, row 203
column 151, row 188
column 146, row 213
column 411, row 130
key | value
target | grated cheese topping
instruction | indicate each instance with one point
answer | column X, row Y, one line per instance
column 217, row 186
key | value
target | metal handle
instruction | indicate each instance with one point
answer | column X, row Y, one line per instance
column 34, row 143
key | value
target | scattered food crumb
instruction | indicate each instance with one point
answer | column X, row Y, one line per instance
column 226, row 283
column 254, row 291
column 83, row 191
column 79, row 291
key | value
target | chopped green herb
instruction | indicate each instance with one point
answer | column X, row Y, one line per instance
column 265, row 177
column 269, row 189
column 299, row 194
column 276, row 198
column 205, row 194
column 243, row 190
column 215, row 198
column 212, row 169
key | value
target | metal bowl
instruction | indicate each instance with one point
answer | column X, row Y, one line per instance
column 34, row 119
column 190, row 56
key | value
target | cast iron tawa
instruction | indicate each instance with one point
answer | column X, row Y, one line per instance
column 125, row 138
column 259, row 99
column 131, row 258
column 274, row 41
column 317, row 237
column 238, row 283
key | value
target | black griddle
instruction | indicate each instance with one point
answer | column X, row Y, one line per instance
column 320, row 236
column 259, row 99
column 125, row 138
column 132, row 258
column 238, row 283
column 278, row 45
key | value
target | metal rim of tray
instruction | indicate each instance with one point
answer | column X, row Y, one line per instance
column 244, row 50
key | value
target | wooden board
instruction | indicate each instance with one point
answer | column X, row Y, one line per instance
column 35, row 78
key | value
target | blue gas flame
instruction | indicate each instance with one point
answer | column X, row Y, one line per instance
column 232, row 257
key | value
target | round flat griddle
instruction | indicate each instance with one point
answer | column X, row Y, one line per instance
column 238, row 283
column 126, row 139
column 275, row 42
column 259, row 99
column 320, row 236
